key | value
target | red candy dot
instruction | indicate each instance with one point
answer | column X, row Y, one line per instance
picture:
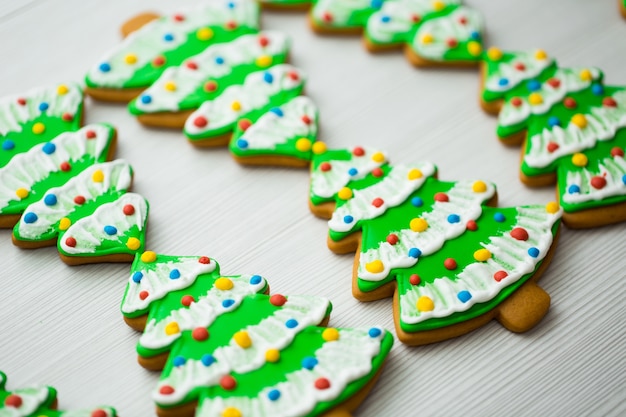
column 187, row 300
column 204, row 260
column 90, row 134
column 13, row 400
column 79, row 199
column 415, row 279
column 450, row 264
column 616, row 151
column 200, row 121
column 166, row 390
column 452, row 43
column 516, row 101
column 210, row 86
column 293, row 75
column 65, row 166
column 500, row 275
column 244, row 124
column 99, row 413
column 442, row 197
column 68, row 117
column 569, row 102
column 519, row 233
column 322, row 383
column 263, row 41
column 598, row 182
column 306, row 119
column 71, row 242
column 191, row 65
column 143, row 295
column 278, row 300
column 179, row 17
column 128, row 209
column 325, row 167
column 552, row 146
column 21, row 101
column 519, row 66
column 462, row 20
column 416, row 18
column 392, row 239
column 554, row 82
column 228, row 382
column 609, row 102
column 231, row 25
column 377, row 202
column 377, row 172
column 327, row 17
column 158, row 61
column 471, row 226
column 200, row 334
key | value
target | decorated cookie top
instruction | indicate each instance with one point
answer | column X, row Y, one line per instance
column 27, row 176
column 37, row 116
column 260, row 91
column 168, row 41
column 205, row 76
column 342, row 14
column 40, row 401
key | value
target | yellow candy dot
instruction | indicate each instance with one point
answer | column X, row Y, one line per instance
column 223, row 284
column 330, row 335
column 414, row 174
column 97, row 176
column 170, row 86
column 172, row 328
column 418, row 224
column 21, row 193
column 345, row 193
column 231, row 412
column 148, row 257
column 479, row 187
column 39, row 128
column 438, row 5
column 243, row 339
column 130, row 59
column 427, row 38
column 133, row 243
column 494, row 54
column 62, row 90
column 481, row 255
column 319, row 148
column 474, row 48
column 64, row 223
column 424, row 304
column 585, row 75
column 272, row 355
column 235, row 105
column 378, row 157
column 375, row 267
column 264, row 61
column 579, row 120
column 204, row 34
column 303, row 145
column 535, row 99
column 552, row 207
column 580, row 159
column 540, row 54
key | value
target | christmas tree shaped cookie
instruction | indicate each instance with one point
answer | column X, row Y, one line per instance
column 157, row 43
column 571, row 127
column 90, row 218
column 26, row 176
column 451, row 262
column 182, row 89
column 230, row 349
column 213, row 123
column 40, row 402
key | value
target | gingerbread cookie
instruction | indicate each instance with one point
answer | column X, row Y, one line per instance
column 167, row 41
column 228, row 348
column 40, row 402
column 213, row 123
column 290, row 5
column 90, row 218
column 622, row 7
column 27, row 176
column 571, row 127
column 450, row 262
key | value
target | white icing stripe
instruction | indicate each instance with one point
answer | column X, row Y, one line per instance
column 339, row 11
column 215, row 62
column 32, row 398
column 13, row 114
column 273, row 129
column 201, row 313
column 166, row 34
column 613, row 170
column 398, row 17
column 444, row 28
column 463, row 202
column 340, row 362
column 89, row 231
column 237, row 100
column 394, row 189
column 159, row 281
column 602, row 124
column 26, row 169
column 326, row 184
column 508, row 254
column 524, row 66
column 570, row 81
column 270, row 333
column 117, row 176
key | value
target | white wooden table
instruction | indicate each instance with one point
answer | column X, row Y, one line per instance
column 62, row 326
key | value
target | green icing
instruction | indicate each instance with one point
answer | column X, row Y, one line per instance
column 115, row 246
column 356, row 19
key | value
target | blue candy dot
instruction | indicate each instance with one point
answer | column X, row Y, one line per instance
column 417, row 201
column 291, row 323
column 231, row 5
column 228, row 302
column 454, row 218
column 146, row 99
column 464, row 296
column 268, row 78
column 309, row 362
column 30, row 217
column 8, row 145
column 168, row 37
column 624, row 179
column 353, row 171
column 533, row 252
column 499, row 217
column 374, row 332
column 174, row 274
column 219, row 60
column 385, row 19
column 207, row 360
column 242, row 143
column 43, row 106
column 179, row 361
column 503, row 82
column 533, row 85
column 414, row 253
column 348, row 219
column 554, row 121
column 277, row 111
column 50, row 200
column 376, row 4
column 104, row 67
column 475, row 36
column 49, row 148
column 137, row 277
column 273, row 395
column 255, row 279
column 573, row 189
column 597, row 89
column 110, row 230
